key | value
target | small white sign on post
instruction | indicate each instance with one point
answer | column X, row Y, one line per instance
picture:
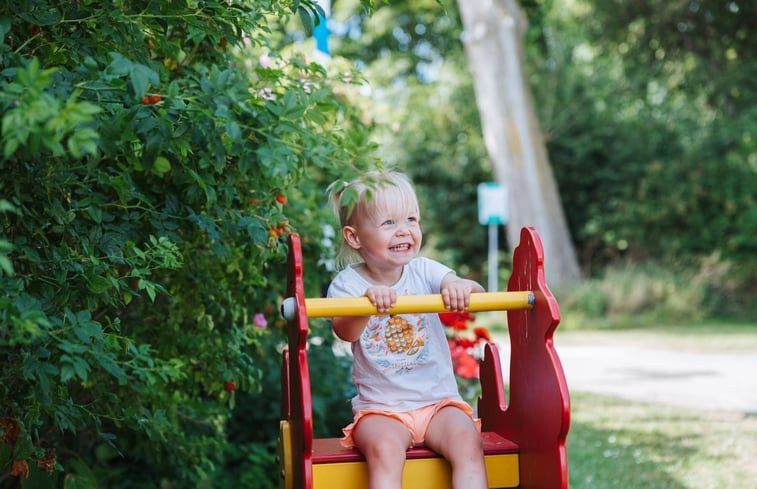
column 492, row 211
column 492, row 203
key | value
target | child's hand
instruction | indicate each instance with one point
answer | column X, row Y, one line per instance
column 381, row 296
column 456, row 292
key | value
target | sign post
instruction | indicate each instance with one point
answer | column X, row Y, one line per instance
column 492, row 211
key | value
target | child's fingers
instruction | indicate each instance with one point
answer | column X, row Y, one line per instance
column 456, row 299
column 383, row 305
column 383, row 301
column 449, row 297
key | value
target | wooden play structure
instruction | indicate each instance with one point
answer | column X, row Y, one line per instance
column 523, row 436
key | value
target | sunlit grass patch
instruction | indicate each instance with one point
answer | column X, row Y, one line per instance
column 632, row 445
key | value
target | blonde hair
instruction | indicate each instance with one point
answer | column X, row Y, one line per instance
column 368, row 195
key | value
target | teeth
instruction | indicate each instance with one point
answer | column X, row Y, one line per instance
column 400, row 247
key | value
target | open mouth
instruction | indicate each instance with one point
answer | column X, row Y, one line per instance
column 400, row 247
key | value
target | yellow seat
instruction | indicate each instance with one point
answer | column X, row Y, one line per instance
column 335, row 467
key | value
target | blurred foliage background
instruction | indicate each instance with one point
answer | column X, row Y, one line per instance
column 648, row 116
column 156, row 154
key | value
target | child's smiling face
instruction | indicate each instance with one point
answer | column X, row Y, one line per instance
column 386, row 232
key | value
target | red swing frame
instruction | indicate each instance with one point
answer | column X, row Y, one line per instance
column 534, row 420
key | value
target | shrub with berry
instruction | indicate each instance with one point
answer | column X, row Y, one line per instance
column 154, row 157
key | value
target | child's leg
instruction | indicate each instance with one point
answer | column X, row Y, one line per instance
column 452, row 434
column 383, row 441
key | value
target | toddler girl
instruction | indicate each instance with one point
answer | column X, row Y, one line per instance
column 406, row 389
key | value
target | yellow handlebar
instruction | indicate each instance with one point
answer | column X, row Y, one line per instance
column 408, row 304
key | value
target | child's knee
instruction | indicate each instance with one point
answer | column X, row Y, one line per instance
column 470, row 441
column 382, row 439
column 386, row 449
column 464, row 446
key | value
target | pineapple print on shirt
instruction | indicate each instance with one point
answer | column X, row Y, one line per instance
column 400, row 336
column 396, row 344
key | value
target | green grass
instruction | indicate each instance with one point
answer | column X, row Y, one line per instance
column 615, row 443
column 705, row 337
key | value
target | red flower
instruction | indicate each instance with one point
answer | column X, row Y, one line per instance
column 458, row 325
column 464, row 364
column 281, row 199
column 230, row 386
column 465, row 343
column 151, row 99
column 456, row 320
column 482, row 334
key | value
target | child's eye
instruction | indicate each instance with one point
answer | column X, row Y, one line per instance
column 388, row 222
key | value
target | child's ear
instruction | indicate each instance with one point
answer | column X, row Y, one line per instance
column 350, row 237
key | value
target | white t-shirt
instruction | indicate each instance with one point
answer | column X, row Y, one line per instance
column 402, row 362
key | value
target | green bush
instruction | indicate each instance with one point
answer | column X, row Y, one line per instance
column 155, row 155
column 648, row 293
column 649, row 119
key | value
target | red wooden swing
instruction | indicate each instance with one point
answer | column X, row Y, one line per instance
column 524, row 437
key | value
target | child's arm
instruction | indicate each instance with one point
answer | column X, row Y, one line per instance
column 349, row 328
column 456, row 291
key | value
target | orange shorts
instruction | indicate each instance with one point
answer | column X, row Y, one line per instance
column 416, row 421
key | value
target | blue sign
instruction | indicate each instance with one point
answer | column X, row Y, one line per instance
column 321, row 31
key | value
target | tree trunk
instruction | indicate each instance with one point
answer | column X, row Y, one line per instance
column 494, row 31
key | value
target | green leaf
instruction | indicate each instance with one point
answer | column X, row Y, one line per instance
column 307, row 21
column 11, row 144
column 87, row 330
column 161, row 165
column 5, row 265
column 107, row 362
column 24, row 447
column 96, row 213
column 119, row 65
column 82, row 368
column 5, row 26
column 148, row 287
column 67, row 372
column 233, row 130
column 83, row 141
column 6, row 206
column 141, row 78
column 99, row 284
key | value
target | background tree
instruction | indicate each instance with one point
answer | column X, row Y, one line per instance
column 494, row 41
